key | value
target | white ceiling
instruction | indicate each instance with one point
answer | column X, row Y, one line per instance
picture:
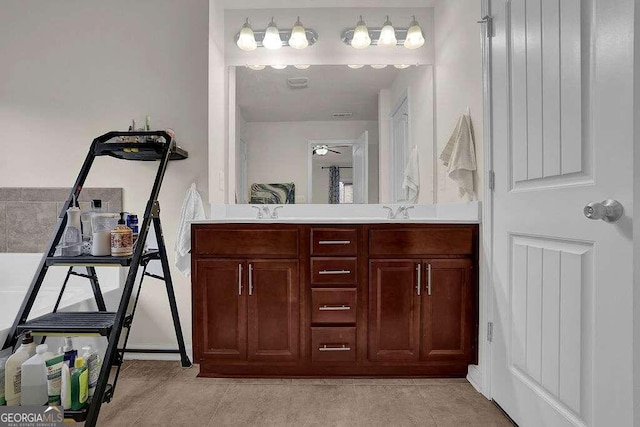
column 286, row 4
column 263, row 96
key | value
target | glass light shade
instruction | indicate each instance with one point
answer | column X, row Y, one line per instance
column 361, row 38
column 402, row 66
column 302, row 66
column 246, row 39
column 355, row 66
column 322, row 150
column 387, row 35
column 415, row 38
column 256, row 67
column 279, row 66
column 298, row 39
column 378, row 66
column 272, row 38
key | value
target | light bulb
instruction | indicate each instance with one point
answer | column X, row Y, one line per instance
column 279, row 66
column 322, row 150
column 387, row 35
column 256, row 67
column 272, row 38
column 402, row 66
column 246, row 39
column 361, row 38
column 355, row 66
column 298, row 39
column 415, row 38
column 302, row 66
column 378, row 66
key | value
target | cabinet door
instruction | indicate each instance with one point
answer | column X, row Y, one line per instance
column 273, row 305
column 447, row 310
column 394, row 310
column 220, row 309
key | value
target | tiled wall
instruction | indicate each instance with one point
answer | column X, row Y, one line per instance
column 28, row 215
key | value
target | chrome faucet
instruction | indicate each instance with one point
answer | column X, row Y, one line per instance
column 274, row 212
column 404, row 210
column 259, row 211
column 390, row 214
column 262, row 211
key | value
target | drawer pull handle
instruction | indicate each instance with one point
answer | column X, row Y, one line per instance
column 325, row 272
column 342, row 348
column 334, row 308
column 334, row 242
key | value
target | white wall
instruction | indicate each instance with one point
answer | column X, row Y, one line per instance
column 220, row 163
column 417, row 84
column 329, row 23
column 458, row 78
column 277, row 152
column 74, row 70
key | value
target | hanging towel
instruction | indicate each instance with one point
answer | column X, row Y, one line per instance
column 411, row 179
column 459, row 156
column 192, row 209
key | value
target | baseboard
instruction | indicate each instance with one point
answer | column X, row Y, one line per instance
column 155, row 356
column 474, row 376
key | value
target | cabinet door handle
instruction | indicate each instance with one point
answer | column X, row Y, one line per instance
column 250, row 279
column 239, row 279
column 334, row 308
column 419, row 278
column 334, row 242
column 429, row 279
column 324, row 272
column 341, row 348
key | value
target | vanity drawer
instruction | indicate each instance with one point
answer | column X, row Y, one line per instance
column 333, row 305
column 333, row 344
column 334, row 241
column 333, row 271
column 246, row 242
column 421, row 241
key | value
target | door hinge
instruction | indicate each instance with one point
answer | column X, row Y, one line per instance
column 488, row 27
column 492, row 180
column 490, row 331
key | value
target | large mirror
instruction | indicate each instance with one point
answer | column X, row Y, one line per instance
column 315, row 135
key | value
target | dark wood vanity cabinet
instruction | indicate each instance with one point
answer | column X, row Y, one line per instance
column 324, row 300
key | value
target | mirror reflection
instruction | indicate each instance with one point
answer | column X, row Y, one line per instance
column 313, row 135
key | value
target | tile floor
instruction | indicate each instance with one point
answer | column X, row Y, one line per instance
column 164, row 394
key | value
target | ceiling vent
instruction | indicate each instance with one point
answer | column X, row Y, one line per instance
column 342, row 115
column 298, row 82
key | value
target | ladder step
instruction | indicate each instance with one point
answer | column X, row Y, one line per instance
column 71, row 324
column 141, row 151
column 88, row 260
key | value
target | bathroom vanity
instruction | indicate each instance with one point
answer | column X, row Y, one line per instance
column 341, row 297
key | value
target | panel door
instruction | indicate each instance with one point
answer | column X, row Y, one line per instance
column 447, row 310
column 563, row 136
column 394, row 310
column 220, row 309
column 273, row 310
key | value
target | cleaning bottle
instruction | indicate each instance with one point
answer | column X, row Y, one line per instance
column 69, row 353
column 3, row 362
column 79, row 385
column 72, row 237
column 13, row 370
column 121, row 239
column 34, row 378
column 85, row 219
column 65, row 387
column 92, row 360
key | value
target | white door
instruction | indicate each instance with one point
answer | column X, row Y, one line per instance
column 242, row 191
column 562, row 97
column 399, row 149
column 361, row 169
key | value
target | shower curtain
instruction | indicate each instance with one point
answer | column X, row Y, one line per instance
column 334, row 185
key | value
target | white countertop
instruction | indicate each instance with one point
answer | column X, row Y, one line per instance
column 455, row 213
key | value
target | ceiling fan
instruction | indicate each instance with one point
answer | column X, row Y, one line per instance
column 323, row 150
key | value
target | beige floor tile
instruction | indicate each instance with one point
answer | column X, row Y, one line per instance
column 391, row 406
column 254, row 405
column 153, row 371
column 129, row 402
column 322, row 405
column 460, row 404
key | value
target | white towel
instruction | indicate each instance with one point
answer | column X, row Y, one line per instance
column 459, row 156
column 411, row 181
column 192, row 209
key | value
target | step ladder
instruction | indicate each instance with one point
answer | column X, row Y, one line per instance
column 157, row 146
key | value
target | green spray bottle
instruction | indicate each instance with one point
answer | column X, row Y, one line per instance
column 79, row 385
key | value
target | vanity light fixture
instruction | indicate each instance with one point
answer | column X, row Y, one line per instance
column 361, row 37
column 246, row 39
column 298, row 37
column 256, row 67
column 402, row 66
column 355, row 66
column 302, row 66
column 387, row 35
column 415, row 38
column 378, row 66
column 279, row 66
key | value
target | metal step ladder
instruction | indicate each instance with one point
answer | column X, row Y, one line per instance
column 156, row 146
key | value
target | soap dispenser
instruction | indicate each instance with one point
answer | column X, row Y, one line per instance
column 72, row 237
column 122, row 239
